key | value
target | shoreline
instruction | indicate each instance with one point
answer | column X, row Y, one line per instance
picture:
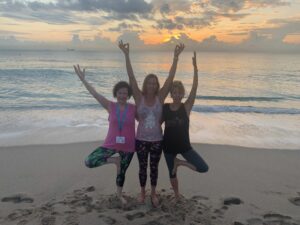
column 193, row 144
column 61, row 188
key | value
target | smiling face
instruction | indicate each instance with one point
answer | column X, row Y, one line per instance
column 122, row 95
column 177, row 91
column 151, row 85
column 177, row 95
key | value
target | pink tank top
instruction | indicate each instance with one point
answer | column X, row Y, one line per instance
column 127, row 131
column 149, row 127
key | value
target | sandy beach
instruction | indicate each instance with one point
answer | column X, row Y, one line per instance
column 49, row 184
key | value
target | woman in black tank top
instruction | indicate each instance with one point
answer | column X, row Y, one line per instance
column 176, row 134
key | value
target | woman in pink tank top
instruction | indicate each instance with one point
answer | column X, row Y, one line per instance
column 121, row 132
column 149, row 103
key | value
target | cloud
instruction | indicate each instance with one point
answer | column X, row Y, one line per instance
column 267, row 3
column 132, row 37
column 121, row 16
column 119, row 6
column 61, row 12
column 7, row 33
column 168, row 24
column 238, row 5
column 165, row 9
column 229, row 5
column 257, row 41
column 193, row 22
column 125, row 26
column 170, row 7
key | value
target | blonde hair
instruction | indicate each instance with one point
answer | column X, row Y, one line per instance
column 178, row 84
column 147, row 78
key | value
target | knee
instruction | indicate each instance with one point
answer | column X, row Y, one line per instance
column 88, row 163
column 203, row 169
column 120, row 180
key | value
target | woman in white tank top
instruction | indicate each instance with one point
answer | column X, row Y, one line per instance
column 149, row 103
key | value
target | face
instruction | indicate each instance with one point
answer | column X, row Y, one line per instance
column 151, row 86
column 122, row 95
column 177, row 95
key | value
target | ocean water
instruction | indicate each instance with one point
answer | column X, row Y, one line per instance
column 242, row 99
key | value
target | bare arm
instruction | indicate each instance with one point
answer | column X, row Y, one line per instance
column 132, row 81
column 167, row 85
column 191, row 99
column 100, row 98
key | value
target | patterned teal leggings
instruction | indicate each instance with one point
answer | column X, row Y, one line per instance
column 99, row 157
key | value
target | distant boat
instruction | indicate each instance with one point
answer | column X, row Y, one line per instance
column 70, row 49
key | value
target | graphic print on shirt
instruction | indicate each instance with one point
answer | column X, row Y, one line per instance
column 150, row 120
column 174, row 122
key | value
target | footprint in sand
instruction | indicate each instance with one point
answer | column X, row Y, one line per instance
column 49, row 220
column 19, row 213
column 22, row 222
column 153, row 223
column 295, row 201
column 18, row 198
column 255, row 221
column 71, row 220
column 135, row 215
column 232, row 201
column 276, row 216
column 109, row 220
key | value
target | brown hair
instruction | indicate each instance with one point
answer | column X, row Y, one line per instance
column 147, row 78
column 177, row 84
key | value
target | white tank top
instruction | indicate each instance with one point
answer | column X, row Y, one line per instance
column 149, row 127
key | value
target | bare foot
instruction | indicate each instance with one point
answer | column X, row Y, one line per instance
column 154, row 201
column 179, row 198
column 123, row 200
column 141, row 199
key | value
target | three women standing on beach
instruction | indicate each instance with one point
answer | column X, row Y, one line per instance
column 149, row 136
column 121, row 132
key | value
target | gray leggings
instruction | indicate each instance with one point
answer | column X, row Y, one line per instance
column 191, row 156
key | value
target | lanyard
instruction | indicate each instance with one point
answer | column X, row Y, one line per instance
column 121, row 120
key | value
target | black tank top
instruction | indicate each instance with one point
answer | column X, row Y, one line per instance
column 176, row 134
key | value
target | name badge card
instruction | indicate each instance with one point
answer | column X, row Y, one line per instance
column 120, row 140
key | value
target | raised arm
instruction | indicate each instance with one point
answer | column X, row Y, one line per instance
column 191, row 99
column 100, row 98
column 167, row 85
column 132, row 81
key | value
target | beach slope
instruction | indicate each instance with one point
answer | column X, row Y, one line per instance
column 49, row 184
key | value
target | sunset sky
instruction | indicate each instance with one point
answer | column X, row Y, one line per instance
column 205, row 24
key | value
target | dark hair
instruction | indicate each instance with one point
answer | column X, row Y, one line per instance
column 122, row 84
column 147, row 78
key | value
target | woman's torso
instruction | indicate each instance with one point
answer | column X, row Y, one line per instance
column 127, row 131
column 149, row 117
column 176, row 134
